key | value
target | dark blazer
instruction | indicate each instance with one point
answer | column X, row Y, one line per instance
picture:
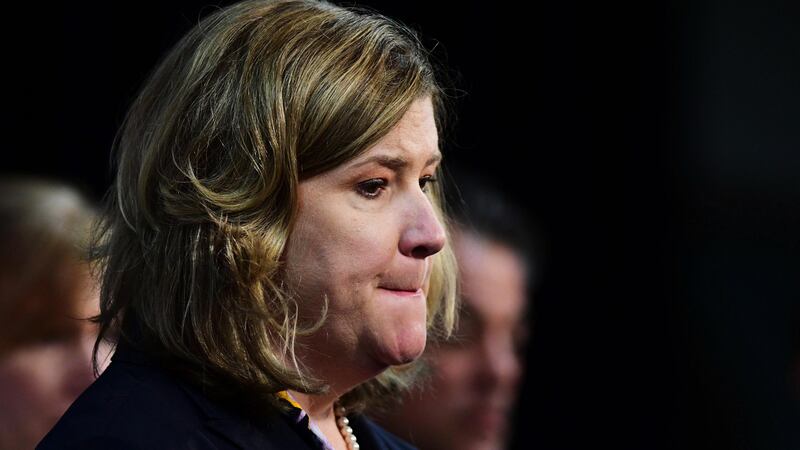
column 135, row 404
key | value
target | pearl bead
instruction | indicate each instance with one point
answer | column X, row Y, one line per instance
column 346, row 431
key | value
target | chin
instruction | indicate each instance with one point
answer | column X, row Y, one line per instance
column 406, row 347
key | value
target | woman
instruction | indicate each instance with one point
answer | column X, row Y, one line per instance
column 46, row 294
column 273, row 252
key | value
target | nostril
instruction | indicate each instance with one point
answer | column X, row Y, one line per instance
column 421, row 251
column 427, row 247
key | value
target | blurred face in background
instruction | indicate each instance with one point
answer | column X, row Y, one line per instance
column 44, row 370
column 468, row 402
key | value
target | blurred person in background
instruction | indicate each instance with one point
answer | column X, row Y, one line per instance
column 46, row 296
column 467, row 402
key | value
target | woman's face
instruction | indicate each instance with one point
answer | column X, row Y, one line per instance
column 363, row 240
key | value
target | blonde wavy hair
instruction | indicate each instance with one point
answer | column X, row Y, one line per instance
column 254, row 99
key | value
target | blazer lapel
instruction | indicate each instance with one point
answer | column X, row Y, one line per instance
column 229, row 429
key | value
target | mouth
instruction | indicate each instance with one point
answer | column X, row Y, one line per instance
column 402, row 292
column 409, row 283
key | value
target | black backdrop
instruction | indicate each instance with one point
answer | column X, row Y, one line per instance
column 658, row 143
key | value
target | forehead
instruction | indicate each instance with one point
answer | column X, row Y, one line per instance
column 414, row 139
column 492, row 278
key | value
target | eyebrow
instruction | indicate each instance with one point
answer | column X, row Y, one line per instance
column 396, row 163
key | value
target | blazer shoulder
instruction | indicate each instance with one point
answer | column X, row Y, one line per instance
column 129, row 406
column 375, row 437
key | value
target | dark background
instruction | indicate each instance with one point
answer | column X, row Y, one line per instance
column 658, row 143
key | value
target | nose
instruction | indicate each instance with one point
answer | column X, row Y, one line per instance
column 423, row 234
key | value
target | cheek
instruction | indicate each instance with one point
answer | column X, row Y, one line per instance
column 364, row 251
column 365, row 237
column 339, row 255
column 337, row 250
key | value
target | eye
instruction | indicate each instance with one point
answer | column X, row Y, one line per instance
column 371, row 188
column 424, row 181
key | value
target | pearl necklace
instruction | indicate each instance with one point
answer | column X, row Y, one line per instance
column 344, row 427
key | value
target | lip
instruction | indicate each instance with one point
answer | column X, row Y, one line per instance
column 402, row 292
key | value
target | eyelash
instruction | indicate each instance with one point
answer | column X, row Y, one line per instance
column 424, row 181
column 371, row 189
column 365, row 187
